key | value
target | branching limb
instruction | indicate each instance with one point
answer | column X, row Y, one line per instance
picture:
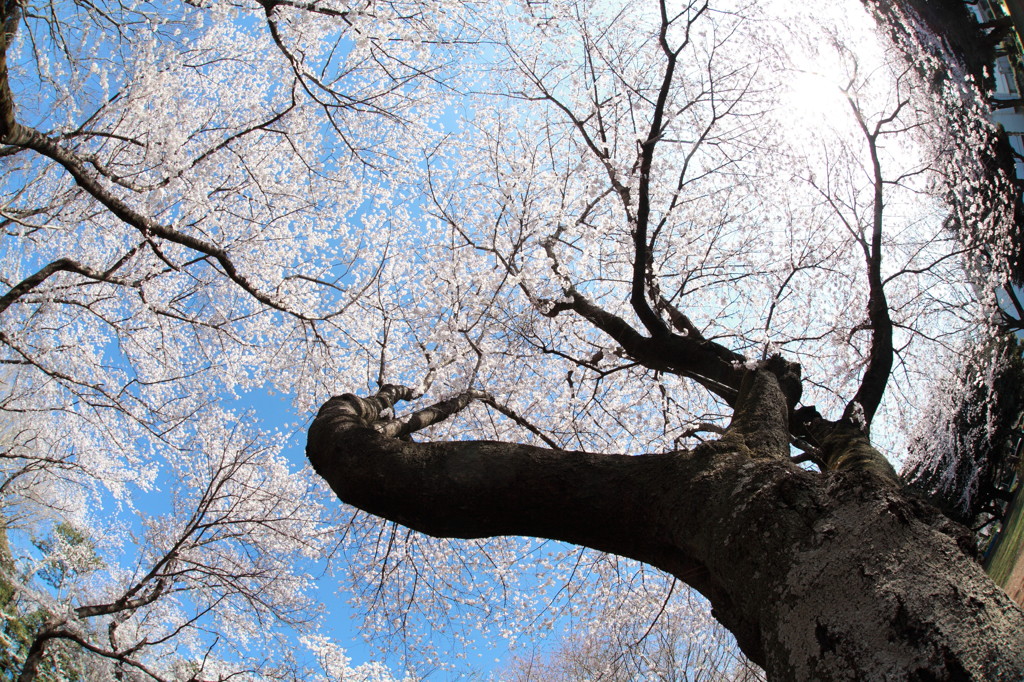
column 34, row 140
column 708, row 363
column 403, row 427
column 1011, row 293
column 17, row 135
column 641, row 247
column 844, row 446
column 351, row 411
column 125, row 603
column 514, row 416
column 63, row 265
column 880, row 359
column 680, row 321
column 30, row 668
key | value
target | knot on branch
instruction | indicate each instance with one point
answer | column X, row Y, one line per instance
column 349, row 411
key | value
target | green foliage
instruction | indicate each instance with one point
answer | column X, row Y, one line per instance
column 18, row 628
column 68, row 553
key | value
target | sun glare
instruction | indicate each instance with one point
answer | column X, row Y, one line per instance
column 817, row 99
column 824, row 49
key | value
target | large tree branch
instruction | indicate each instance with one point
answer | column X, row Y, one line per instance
column 773, row 547
column 708, row 363
column 880, row 356
column 486, row 471
column 475, row 489
column 63, row 265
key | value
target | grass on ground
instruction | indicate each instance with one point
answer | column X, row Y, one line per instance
column 1009, row 543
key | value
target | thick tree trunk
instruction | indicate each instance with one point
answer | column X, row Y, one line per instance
column 833, row 576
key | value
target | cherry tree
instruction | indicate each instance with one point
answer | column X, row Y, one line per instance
column 642, row 259
column 582, row 230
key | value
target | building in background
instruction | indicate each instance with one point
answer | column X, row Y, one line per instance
column 1002, row 22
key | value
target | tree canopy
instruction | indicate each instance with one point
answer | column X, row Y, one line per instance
column 585, row 228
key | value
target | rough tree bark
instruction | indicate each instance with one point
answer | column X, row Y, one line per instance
column 830, row 576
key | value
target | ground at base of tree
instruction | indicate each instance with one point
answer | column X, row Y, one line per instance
column 1015, row 585
column 1006, row 564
